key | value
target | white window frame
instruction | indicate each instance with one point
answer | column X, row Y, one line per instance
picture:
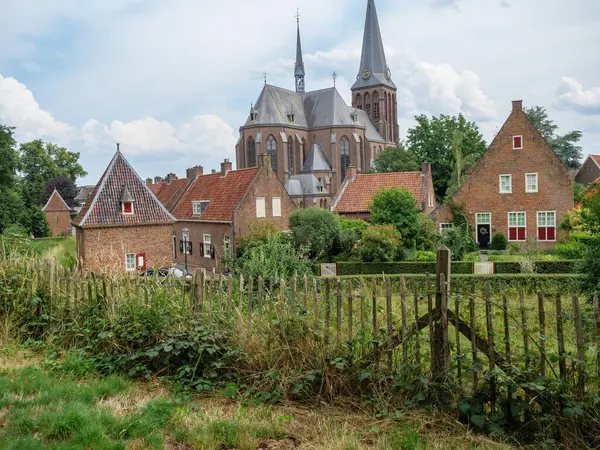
column 513, row 142
column 509, row 191
column 516, row 226
column 444, row 226
column 133, row 256
column 207, row 243
column 276, row 206
column 185, row 237
column 261, row 210
column 477, row 223
column 128, row 213
column 546, row 225
column 537, row 184
column 199, row 203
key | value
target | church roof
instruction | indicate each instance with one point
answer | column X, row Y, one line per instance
column 373, row 55
column 317, row 161
column 299, row 69
column 304, row 184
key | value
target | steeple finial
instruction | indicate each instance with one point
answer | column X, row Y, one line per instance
column 334, row 75
column 299, row 73
column 118, row 148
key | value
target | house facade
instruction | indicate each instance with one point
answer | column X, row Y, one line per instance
column 58, row 215
column 220, row 207
column 123, row 227
column 519, row 188
column 358, row 190
column 590, row 171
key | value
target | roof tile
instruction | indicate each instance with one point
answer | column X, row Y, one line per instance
column 56, row 203
column 169, row 194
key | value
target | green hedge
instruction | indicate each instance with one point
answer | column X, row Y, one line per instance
column 413, row 267
column 552, row 267
column 508, row 267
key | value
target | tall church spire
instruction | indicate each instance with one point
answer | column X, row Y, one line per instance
column 299, row 70
column 373, row 69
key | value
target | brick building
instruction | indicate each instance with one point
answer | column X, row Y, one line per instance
column 123, row 226
column 220, row 207
column 519, row 187
column 358, row 190
column 590, row 171
column 58, row 215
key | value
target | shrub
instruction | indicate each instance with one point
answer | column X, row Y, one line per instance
column 379, row 243
column 556, row 267
column 513, row 249
column 460, row 241
column 421, row 255
column 391, row 268
column 499, row 242
column 316, row 230
column 397, row 207
column 355, row 225
column 570, row 250
column 590, row 265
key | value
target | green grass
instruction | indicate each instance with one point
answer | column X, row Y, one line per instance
column 63, row 250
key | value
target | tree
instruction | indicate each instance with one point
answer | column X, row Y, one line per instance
column 379, row 243
column 10, row 202
column 316, row 230
column 397, row 207
column 33, row 219
column 564, row 146
column 431, row 140
column 65, row 187
column 396, row 159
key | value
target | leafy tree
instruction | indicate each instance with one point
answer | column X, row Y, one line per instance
column 427, row 238
column 10, row 202
column 564, row 146
column 396, row 159
column 316, row 230
column 460, row 241
column 379, row 243
column 65, row 187
column 397, row 207
column 33, row 219
column 354, row 225
column 432, row 139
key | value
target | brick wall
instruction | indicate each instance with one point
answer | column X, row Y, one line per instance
column 196, row 259
column 58, row 222
column 481, row 191
column 104, row 249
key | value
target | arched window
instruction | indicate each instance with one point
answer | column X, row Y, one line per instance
column 359, row 104
column 290, row 150
column 368, row 104
column 376, row 107
column 251, row 159
column 344, row 157
column 325, row 203
column 380, row 149
column 304, row 152
column 361, row 156
column 272, row 152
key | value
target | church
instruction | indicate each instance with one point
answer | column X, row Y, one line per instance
column 313, row 137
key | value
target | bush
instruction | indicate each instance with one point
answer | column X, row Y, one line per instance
column 570, row 250
column 397, row 207
column 316, row 230
column 513, row 249
column 379, row 243
column 362, row 268
column 421, row 255
column 508, row 267
column 556, row 267
column 590, row 266
column 499, row 242
column 460, row 241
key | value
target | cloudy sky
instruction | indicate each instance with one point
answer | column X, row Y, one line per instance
column 173, row 81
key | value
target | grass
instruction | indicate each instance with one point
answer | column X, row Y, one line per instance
column 46, row 406
column 62, row 250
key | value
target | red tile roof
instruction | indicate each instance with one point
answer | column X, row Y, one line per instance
column 169, row 194
column 224, row 194
column 56, row 203
column 596, row 158
column 356, row 195
column 103, row 207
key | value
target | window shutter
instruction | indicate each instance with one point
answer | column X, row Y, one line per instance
column 190, row 248
column 512, row 234
column 551, row 235
column 212, row 251
column 181, row 246
column 140, row 261
column 521, row 234
column 541, row 234
column 201, row 249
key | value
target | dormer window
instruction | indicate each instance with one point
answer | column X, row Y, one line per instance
column 253, row 116
column 517, row 142
column 291, row 117
column 354, row 116
column 199, row 207
column 126, row 201
column 127, row 208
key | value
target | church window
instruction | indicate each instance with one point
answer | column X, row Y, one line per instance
column 359, row 104
column 368, row 104
column 304, row 155
column 251, row 161
column 344, row 157
column 376, row 107
column 291, row 117
column 272, row 152
column 290, row 150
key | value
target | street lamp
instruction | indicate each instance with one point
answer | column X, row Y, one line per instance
column 185, row 232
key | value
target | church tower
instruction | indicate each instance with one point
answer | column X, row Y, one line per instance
column 374, row 91
column 299, row 70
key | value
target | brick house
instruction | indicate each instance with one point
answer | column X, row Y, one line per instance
column 519, row 187
column 58, row 215
column 590, row 171
column 358, row 190
column 220, row 207
column 123, row 226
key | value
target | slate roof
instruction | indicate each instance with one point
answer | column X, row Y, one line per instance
column 224, row 193
column 84, row 193
column 103, row 207
column 317, row 161
column 169, row 194
column 356, row 194
column 301, row 185
column 56, row 203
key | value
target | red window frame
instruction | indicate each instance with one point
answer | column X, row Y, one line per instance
column 517, row 233
column 546, row 233
column 127, row 207
column 517, row 142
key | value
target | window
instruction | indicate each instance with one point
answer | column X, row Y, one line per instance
column 174, row 246
column 226, row 243
column 359, row 101
column 276, row 203
column 130, row 261
column 376, row 107
column 253, row 116
column 517, row 142
column 368, row 104
column 251, row 161
column 344, row 157
column 484, row 219
column 516, row 226
column 291, row 117
column 445, row 227
column 261, row 210
column 290, row 150
column 199, row 207
column 207, row 245
column 531, row 182
column 127, row 207
column 272, row 152
column 185, row 246
column 505, row 184
column 546, row 225
column 430, row 200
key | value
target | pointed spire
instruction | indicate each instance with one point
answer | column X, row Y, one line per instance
column 373, row 65
column 299, row 73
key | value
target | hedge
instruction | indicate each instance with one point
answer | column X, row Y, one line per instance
column 541, row 267
column 413, row 267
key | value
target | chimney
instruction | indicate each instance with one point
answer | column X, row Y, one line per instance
column 171, row 177
column 157, row 180
column 350, row 172
column 194, row 172
column 517, row 105
column 468, row 168
column 213, row 171
column 426, row 168
column 226, row 166
column 148, row 181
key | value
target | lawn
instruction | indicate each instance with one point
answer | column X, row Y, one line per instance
column 64, row 404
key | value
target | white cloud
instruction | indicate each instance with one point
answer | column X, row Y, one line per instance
column 572, row 94
column 19, row 108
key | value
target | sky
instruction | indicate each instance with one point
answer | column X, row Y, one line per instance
column 173, row 81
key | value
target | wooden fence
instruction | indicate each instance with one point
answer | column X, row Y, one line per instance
column 430, row 326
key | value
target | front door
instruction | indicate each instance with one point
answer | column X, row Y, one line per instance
column 483, row 235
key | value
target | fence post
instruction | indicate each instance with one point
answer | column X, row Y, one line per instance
column 441, row 348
